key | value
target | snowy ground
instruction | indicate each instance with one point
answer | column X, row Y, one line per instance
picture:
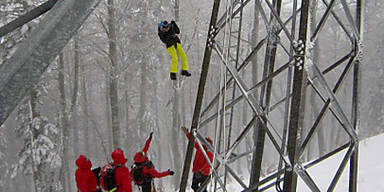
column 371, row 169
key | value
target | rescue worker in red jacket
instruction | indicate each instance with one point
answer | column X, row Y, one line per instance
column 122, row 174
column 85, row 179
column 144, row 170
column 201, row 168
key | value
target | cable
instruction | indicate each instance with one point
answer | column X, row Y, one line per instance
column 222, row 93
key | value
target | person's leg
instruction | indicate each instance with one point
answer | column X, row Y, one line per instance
column 174, row 63
column 195, row 183
column 146, row 187
column 183, row 57
column 202, row 181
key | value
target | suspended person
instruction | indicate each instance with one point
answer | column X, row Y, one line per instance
column 115, row 177
column 167, row 33
column 86, row 180
column 144, row 171
column 201, row 167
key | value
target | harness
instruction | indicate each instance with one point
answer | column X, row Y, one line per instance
column 144, row 178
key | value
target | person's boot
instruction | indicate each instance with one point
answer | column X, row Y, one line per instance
column 185, row 73
column 173, row 76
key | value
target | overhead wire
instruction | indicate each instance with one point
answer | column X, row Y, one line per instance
column 221, row 120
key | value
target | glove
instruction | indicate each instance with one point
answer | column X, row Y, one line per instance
column 171, row 172
column 185, row 130
column 150, row 135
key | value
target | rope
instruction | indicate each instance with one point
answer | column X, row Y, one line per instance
column 223, row 80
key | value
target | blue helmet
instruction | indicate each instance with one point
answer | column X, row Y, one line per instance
column 164, row 24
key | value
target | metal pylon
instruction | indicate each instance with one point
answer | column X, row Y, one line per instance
column 279, row 112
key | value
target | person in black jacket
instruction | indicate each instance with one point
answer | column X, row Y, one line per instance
column 167, row 34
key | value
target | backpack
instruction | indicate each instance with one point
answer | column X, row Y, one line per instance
column 96, row 172
column 107, row 176
column 137, row 173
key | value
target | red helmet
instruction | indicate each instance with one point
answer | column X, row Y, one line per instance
column 140, row 157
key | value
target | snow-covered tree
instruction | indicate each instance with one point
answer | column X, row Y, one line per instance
column 9, row 10
column 39, row 156
column 3, row 158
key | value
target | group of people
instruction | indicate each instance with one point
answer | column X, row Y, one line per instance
column 116, row 177
column 95, row 180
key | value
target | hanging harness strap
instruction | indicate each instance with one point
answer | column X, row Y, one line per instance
column 114, row 171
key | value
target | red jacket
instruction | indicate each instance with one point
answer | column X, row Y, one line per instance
column 151, row 172
column 141, row 157
column 122, row 176
column 200, row 163
column 85, row 179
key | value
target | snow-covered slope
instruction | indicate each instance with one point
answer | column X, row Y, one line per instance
column 371, row 169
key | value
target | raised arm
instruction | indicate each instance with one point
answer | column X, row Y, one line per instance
column 185, row 131
column 188, row 134
column 147, row 143
column 175, row 27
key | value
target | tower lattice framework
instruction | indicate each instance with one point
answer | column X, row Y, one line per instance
column 286, row 68
column 278, row 98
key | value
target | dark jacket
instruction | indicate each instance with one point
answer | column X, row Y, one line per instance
column 170, row 38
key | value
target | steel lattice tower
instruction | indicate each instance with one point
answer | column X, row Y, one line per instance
column 287, row 48
column 287, row 51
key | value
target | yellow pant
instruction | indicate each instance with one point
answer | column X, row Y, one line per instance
column 175, row 60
